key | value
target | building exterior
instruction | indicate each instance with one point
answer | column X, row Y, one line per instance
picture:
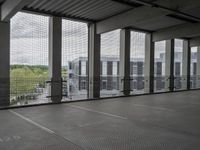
column 110, row 79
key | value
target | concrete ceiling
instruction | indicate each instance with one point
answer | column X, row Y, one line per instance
column 149, row 15
column 90, row 10
column 98, row 10
column 1, row 1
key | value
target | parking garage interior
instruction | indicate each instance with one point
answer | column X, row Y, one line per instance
column 99, row 75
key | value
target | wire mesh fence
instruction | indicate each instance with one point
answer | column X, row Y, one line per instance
column 24, row 91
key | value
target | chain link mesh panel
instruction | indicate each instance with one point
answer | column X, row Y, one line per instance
column 29, row 59
column 74, row 60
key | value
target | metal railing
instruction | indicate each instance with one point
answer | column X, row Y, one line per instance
column 194, row 81
column 76, row 88
column 24, row 91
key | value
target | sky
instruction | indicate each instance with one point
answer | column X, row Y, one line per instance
column 29, row 41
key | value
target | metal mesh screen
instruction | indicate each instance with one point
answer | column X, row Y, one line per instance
column 194, row 77
column 110, row 53
column 137, row 59
column 74, row 59
column 179, row 79
column 159, row 66
column 28, row 59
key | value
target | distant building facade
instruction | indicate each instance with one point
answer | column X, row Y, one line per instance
column 110, row 79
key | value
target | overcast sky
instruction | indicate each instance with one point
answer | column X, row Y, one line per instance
column 29, row 41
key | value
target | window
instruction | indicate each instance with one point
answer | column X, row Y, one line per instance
column 83, row 85
column 104, row 85
column 104, row 68
column 83, row 68
column 114, row 68
column 135, row 69
column 114, row 85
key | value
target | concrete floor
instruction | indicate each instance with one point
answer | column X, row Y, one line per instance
column 154, row 122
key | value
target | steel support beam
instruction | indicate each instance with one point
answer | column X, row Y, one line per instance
column 124, row 65
column 55, row 49
column 9, row 8
column 187, row 30
column 4, row 64
column 94, row 62
column 145, row 14
column 133, row 17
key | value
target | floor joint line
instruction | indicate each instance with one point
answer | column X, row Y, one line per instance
column 43, row 128
column 99, row 112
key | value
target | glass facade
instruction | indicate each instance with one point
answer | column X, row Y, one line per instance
column 29, row 59
column 110, row 55
column 74, row 60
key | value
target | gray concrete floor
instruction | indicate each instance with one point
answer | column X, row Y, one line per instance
column 152, row 122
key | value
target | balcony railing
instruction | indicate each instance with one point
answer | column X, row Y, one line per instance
column 75, row 88
column 194, row 81
column 24, row 91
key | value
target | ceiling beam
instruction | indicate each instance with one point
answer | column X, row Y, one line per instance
column 132, row 18
column 162, row 7
column 188, row 30
column 10, row 7
column 144, row 14
column 195, row 42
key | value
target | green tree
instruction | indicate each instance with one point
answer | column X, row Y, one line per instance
column 25, row 79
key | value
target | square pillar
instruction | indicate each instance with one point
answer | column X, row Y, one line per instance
column 55, row 49
column 198, row 67
column 124, row 66
column 149, row 64
column 4, row 64
column 186, row 66
column 169, row 65
column 94, row 62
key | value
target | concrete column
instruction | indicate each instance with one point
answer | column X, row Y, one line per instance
column 186, row 66
column 198, row 67
column 169, row 65
column 55, row 49
column 124, row 66
column 4, row 64
column 94, row 62
column 149, row 64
